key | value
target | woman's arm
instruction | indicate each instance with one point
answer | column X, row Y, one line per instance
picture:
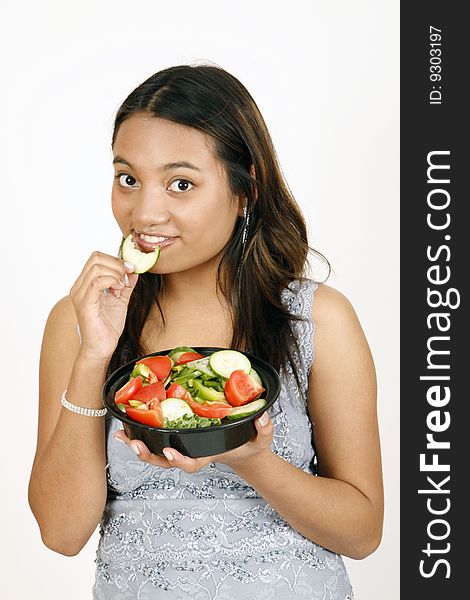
column 67, row 488
column 342, row 508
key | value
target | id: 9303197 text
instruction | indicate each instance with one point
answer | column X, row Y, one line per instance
column 435, row 68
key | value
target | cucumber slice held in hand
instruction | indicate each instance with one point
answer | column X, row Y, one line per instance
column 143, row 261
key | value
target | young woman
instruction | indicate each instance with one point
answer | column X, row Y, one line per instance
column 196, row 174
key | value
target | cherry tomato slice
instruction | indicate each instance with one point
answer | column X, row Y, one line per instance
column 149, row 392
column 211, row 410
column 240, row 388
column 127, row 391
column 152, row 417
column 160, row 365
column 187, row 357
column 178, row 391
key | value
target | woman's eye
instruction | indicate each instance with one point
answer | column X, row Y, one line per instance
column 126, row 180
column 180, row 185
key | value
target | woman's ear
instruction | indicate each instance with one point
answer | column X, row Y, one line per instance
column 255, row 185
column 242, row 206
column 242, row 199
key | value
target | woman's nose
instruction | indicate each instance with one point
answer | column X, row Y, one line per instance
column 150, row 208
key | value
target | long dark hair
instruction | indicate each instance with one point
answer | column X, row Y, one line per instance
column 252, row 277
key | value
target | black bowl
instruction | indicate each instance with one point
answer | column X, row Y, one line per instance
column 204, row 441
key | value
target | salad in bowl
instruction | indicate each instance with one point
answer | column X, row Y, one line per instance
column 201, row 401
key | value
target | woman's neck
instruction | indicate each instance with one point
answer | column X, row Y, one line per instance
column 196, row 285
column 194, row 314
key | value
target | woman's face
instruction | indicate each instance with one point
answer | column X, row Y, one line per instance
column 171, row 189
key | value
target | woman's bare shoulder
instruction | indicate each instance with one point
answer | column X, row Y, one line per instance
column 62, row 314
column 64, row 309
column 331, row 306
column 339, row 336
column 61, row 325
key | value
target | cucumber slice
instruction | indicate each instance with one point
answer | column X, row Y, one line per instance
column 237, row 412
column 174, row 408
column 256, row 377
column 179, row 351
column 224, row 362
column 143, row 261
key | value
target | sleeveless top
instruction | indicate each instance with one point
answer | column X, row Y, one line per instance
column 209, row 535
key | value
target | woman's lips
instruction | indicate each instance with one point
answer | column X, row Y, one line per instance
column 146, row 246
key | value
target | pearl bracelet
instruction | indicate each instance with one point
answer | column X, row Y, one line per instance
column 87, row 412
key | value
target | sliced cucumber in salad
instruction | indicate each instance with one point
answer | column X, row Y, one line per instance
column 174, row 408
column 143, row 261
column 177, row 352
column 224, row 362
column 238, row 412
column 256, row 377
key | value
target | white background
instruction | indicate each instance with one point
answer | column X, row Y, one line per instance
column 325, row 76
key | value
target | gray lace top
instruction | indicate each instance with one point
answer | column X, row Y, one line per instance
column 176, row 536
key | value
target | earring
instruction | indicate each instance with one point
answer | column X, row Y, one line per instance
column 246, row 218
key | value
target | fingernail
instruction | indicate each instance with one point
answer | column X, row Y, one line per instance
column 263, row 420
column 129, row 266
column 126, row 280
column 119, row 439
column 135, row 447
column 168, row 454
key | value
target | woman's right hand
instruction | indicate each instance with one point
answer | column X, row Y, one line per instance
column 101, row 316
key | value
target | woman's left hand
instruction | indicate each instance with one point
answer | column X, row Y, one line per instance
column 261, row 443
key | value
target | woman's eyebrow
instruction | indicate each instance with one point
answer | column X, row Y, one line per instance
column 171, row 165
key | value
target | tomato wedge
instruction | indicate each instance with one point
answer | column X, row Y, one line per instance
column 187, row 357
column 150, row 392
column 160, row 365
column 141, row 370
column 178, row 391
column 152, row 417
column 128, row 390
column 152, row 378
column 240, row 388
column 211, row 410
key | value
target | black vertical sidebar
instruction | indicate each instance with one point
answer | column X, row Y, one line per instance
column 435, row 332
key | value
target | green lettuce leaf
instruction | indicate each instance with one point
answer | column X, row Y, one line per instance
column 191, row 422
